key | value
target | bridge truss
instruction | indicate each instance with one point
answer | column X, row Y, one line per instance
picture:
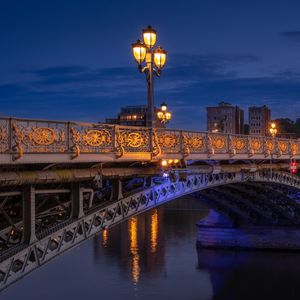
column 52, row 242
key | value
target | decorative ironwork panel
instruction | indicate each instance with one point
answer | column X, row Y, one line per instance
column 91, row 138
column 4, row 135
column 219, row 142
column 23, row 136
column 270, row 145
column 170, row 141
column 39, row 136
column 239, row 143
column 132, row 139
column 195, row 141
column 256, row 145
column 295, row 149
column 283, row 146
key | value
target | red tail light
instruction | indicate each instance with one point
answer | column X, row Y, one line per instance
column 293, row 167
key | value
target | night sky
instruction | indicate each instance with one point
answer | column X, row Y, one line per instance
column 72, row 60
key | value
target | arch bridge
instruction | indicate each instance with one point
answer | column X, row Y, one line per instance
column 38, row 248
column 63, row 182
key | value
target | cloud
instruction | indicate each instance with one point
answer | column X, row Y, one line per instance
column 293, row 36
column 188, row 84
column 59, row 71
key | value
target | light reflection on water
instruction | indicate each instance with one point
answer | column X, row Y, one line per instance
column 154, row 230
column 104, row 237
column 134, row 249
column 154, row 256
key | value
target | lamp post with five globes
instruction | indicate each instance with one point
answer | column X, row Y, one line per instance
column 273, row 129
column 155, row 60
column 163, row 115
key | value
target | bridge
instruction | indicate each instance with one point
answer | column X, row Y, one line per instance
column 24, row 141
column 63, row 182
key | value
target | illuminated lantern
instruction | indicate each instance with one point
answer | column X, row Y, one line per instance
column 149, row 35
column 164, row 163
column 163, row 106
column 168, row 115
column 139, row 51
column 293, row 167
column 160, row 56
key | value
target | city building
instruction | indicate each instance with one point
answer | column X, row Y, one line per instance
column 134, row 116
column 225, row 118
column 259, row 120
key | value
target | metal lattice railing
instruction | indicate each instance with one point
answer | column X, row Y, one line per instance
column 19, row 137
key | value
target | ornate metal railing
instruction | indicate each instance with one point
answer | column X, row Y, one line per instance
column 19, row 137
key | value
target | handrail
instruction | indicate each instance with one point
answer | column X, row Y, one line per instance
column 20, row 136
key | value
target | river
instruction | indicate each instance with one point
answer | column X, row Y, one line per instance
column 154, row 256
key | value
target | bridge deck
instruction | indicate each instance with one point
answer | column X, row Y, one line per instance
column 25, row 141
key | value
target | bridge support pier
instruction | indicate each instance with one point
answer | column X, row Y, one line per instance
column 28, row 203
column 77, row 201
column 116, row 190
column 216, row 231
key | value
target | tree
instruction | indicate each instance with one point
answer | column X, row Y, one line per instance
column 285, row 125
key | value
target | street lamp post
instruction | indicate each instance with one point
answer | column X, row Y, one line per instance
column 155, row 60
column 273, row 129
column 163, row 114
column 273, row 132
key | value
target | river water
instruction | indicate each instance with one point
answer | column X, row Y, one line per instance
column 154, row 256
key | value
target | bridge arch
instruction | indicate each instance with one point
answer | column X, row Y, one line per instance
column 52, row 244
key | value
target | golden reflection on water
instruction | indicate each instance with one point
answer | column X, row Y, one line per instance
column 134, row 249
column 154, row 230
column 105, row 237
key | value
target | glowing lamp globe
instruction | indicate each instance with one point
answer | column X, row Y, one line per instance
column 149, row 36
column 168, row 116
column 160, row 56
column 160, row 115
column 163, row 106
column 164, row 163
column 139, row 51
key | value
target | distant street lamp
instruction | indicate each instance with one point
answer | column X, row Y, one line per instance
column 273, row 130
column 154, row 58
column 163, row 115
column 215, row 128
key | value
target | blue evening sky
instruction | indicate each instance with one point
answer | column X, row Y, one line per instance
column 71, row 59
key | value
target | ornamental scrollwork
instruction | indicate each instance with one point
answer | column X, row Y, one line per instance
column 210, row 148
column 232, row 150
column 90, row 140
column 18, row 137
column 218, row 143
column 294, row 148
column 256, row 145
column 119, row 144
column 134, row 141
column 37, row 139
column 156, row 150
column 239, row 144
column 270, row 146
column 3, row 134
column 195, row 142
column 185, row 149
column 42, row 136
column 168, row 140
column 96, row 137
column 4, row 144
column 283, row 147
